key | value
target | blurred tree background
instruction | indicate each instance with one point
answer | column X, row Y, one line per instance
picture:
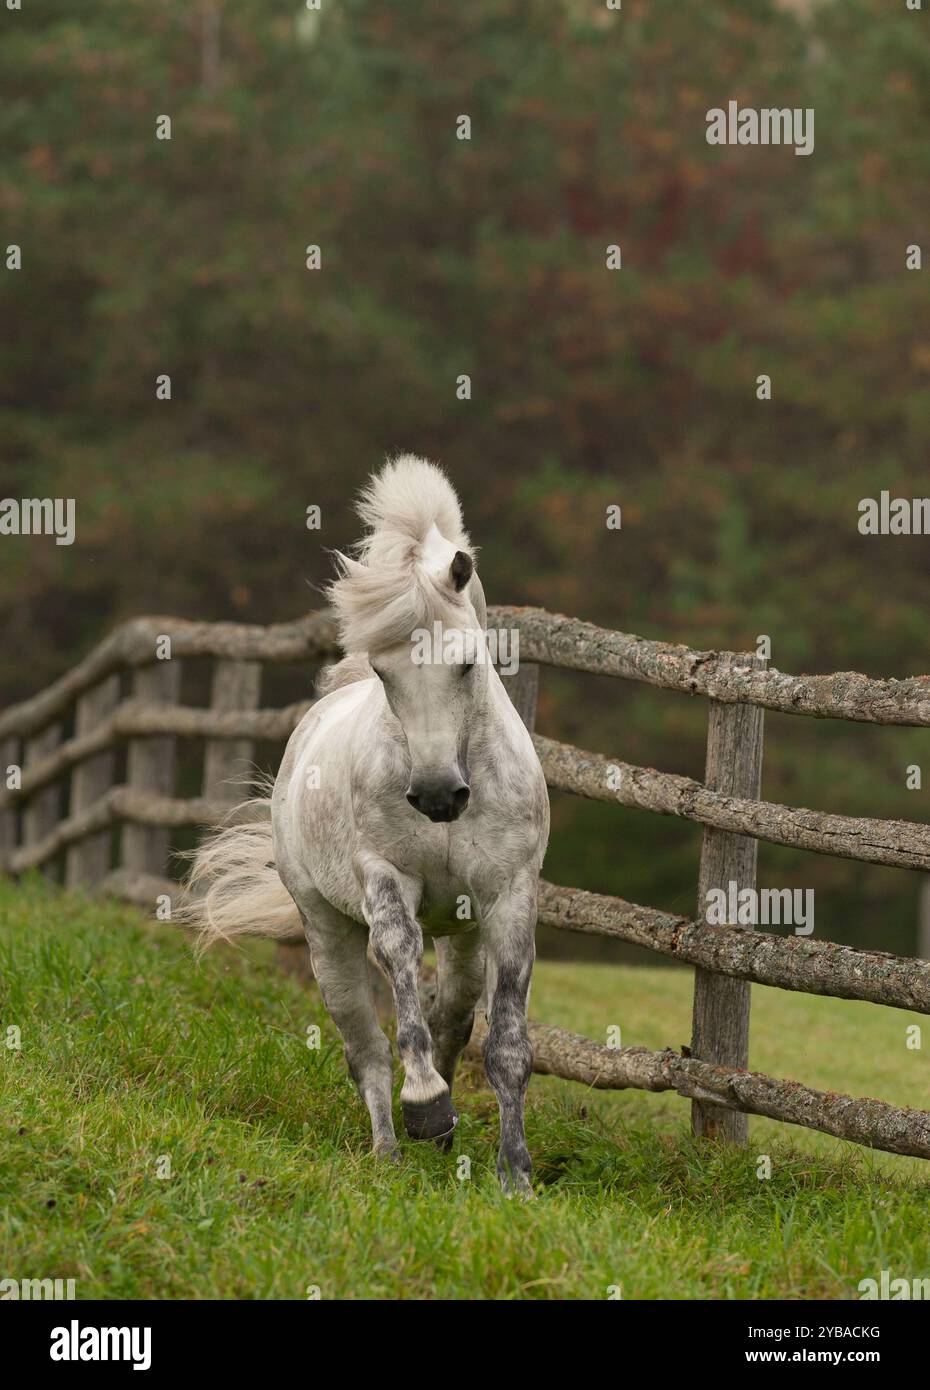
column 294, row 126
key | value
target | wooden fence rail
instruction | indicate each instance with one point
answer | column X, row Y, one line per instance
column 874, row 1123
column 902, row 844
column 798, row 963
column 555, row 640
column 60, row 805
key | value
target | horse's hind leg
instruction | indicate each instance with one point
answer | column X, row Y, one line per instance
column 460, row 980
column 338, row 949
column 397, row 945
column 508, row 1055
column 459, row 983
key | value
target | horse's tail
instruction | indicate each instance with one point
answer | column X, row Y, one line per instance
column 233, row 888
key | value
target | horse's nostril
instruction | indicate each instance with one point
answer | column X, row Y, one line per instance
column 460, row 798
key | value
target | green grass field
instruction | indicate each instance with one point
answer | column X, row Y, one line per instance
column 133, row 1058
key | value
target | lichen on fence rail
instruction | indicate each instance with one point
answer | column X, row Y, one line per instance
column 120, row 804
column 862, row 1120
column 135, row 643
column 134, row 718
column 560, row 641
column 797, row 963
column 901, row 844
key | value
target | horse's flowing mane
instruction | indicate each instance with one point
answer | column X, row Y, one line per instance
column 400, row 578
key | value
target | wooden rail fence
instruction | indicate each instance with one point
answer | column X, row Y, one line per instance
column 60, row 748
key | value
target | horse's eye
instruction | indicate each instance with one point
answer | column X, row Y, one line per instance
column 469, row 666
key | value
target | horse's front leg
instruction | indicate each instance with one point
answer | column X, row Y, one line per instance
column 510, row 937
column 397, row 945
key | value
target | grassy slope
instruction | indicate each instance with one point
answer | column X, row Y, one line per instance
column 129, row 1052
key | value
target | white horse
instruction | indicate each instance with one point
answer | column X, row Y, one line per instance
column 409, row 797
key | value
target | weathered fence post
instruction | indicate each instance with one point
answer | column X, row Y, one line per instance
column 523, row 689
column 720, row 1029
column 236, row 686
column 41, row 814
column 88, row 862
column 150, row 768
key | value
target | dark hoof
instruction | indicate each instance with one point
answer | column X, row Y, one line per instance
column 431, row 1119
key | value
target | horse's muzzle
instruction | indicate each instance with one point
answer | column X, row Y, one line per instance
column 439, row 802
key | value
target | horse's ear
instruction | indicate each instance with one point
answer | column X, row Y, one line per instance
column 461, row 570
